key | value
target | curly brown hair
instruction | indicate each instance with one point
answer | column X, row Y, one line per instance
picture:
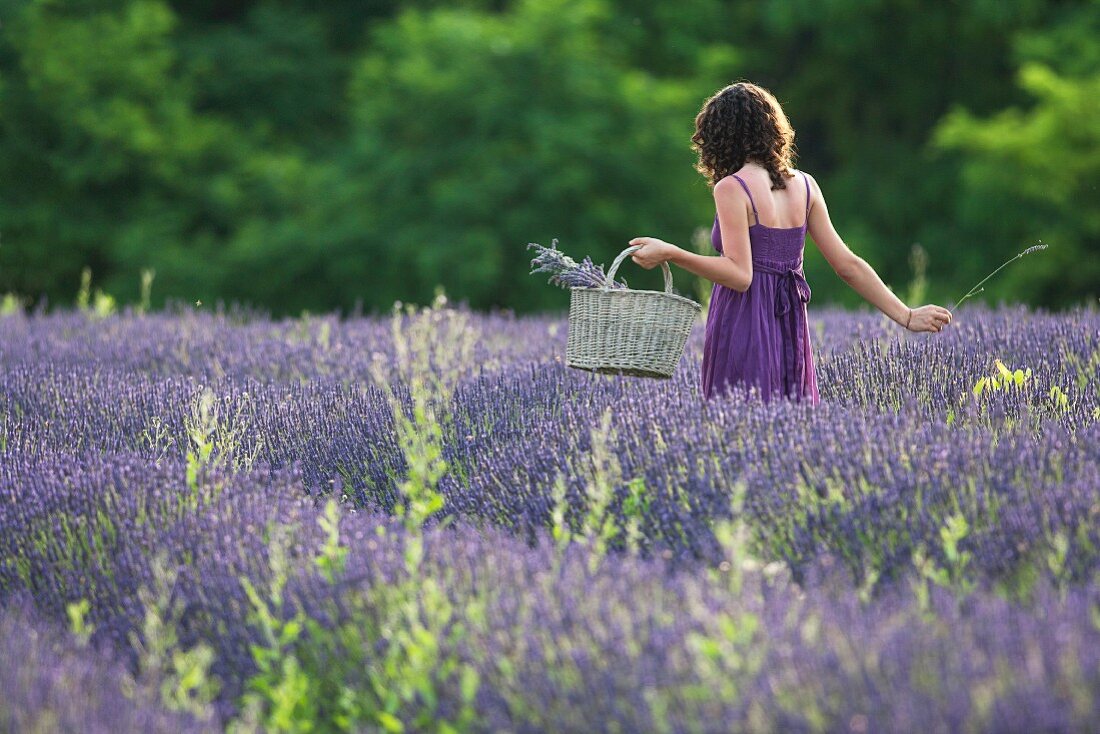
column 743, row 122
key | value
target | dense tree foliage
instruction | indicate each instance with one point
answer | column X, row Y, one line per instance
column 314, row 156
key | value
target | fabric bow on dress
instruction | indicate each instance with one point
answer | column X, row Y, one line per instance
column 791, row 289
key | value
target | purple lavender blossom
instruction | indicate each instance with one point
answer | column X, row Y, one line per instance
column 565, row 272
column 844, row 495
column 49, row 683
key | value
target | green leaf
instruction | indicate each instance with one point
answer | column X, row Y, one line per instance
column 290, row 632
column 469, row 683
column 389, row 722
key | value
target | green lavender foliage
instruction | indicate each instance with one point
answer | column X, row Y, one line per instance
column 181, row 675
column 411, row 620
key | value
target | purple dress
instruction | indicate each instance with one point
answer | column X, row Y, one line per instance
column 761, row 337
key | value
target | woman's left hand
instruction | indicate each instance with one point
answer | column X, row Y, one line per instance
column 652, row 252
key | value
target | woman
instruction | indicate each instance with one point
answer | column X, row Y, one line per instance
column 756, row 331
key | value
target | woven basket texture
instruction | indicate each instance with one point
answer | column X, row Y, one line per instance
column 623, row 331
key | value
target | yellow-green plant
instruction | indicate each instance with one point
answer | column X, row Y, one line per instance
column 396, row 638
column 434, row 349
column 955, row 575
column 144, row 304
column 84, row 295
column 602, row 474
column 182, row 675
column 729, row 649
column 97, row 304
column 1004, row 379
column 216, row 436
column 732, row 534
column 918, row 260
column 77, row 612
column 1059, row 398
column 281, row 695
column 10, row 305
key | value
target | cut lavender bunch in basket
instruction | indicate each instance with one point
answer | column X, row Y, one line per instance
column 566, row 272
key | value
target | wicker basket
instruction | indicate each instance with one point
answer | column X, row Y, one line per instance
column 622, row 331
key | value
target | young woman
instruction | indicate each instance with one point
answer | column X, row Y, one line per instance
column 756, row 331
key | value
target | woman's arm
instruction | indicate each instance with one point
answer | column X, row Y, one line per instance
column 734, row 268
column 856, row 272
column 721, row 270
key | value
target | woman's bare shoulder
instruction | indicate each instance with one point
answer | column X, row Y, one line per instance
column 726, row 185
column 815, row 190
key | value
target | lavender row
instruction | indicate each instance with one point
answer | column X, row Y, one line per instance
column 559, row 642
column 899, row 447
column 51, row 683
column 853, row 349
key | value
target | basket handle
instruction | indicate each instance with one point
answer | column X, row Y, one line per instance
column 622, row 256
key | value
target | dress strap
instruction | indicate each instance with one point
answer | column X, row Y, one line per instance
column 807, row 180
column 746, row 188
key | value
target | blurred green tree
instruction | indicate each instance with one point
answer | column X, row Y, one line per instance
column 1033, row 174
column 865, row 83
column 310, row 156
column 474, row 134
column 108, row 163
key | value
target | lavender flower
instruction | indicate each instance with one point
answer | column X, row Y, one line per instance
column 853, row 499
column 565, row 271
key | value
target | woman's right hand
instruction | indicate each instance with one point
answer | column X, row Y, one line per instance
column 929, row 318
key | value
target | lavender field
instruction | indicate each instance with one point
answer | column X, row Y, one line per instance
column 427, row 522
